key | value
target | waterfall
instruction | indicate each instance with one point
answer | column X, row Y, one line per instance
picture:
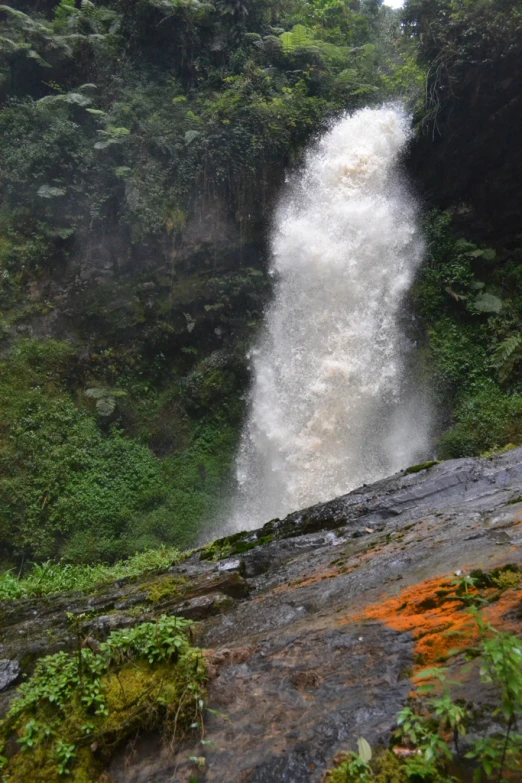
column 332, row 404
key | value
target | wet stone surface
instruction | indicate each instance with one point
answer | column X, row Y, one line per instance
column 290, row 706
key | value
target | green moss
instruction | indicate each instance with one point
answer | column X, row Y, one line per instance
column 214, row 553
column 233, row 545
column 422, row 466
column 247, row 546
column 138, row 697
column 494, row 452
column 506, row 577
column 165, row 587
column 223, row 547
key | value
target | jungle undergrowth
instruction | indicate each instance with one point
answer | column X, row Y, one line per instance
column 49, row 578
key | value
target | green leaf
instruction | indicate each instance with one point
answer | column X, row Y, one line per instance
column 349, row 75
column 117, row 133
column 48, row 191
column 426, row 688
column 9, row 46
column 191, row 135
column 364, row 748
column 488, row 254
column 77, row 98
column 33, row 55
column 102, row 145
column 299, row 37
column 96, row 393
column 106, row 406
column 488, row 303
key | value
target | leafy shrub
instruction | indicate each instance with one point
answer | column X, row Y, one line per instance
column 61, row 477
column 487, row 421
column 72, row 490
column 198, row 482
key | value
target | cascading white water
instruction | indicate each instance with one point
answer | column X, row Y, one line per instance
column 330, row 405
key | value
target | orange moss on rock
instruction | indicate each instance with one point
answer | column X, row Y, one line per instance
column 436, row 615
column 506, row 613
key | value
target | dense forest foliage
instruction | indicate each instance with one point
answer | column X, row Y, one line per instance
column 144, row 143
column 467, row 161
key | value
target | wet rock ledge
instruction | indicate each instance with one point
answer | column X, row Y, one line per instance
column 314, row 623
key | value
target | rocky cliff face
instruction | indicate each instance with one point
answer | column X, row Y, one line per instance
column 108, row 290
column 313, row 624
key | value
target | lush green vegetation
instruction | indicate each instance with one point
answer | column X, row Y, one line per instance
column 77, row 707
column 71, row 485
column 467, row 161
column 51, row 577
column 117, row 117
column 468, row 297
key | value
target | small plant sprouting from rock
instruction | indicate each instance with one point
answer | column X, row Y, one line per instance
column 501, row 666
column 352, row 768
column 78, row 706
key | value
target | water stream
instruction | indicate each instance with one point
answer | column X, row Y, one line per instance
column 332, row 403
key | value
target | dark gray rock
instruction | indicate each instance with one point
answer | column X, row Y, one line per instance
column 9, row 672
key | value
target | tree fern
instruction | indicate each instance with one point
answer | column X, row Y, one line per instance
column 298, row 38
column 507, row 355
column 105, row 398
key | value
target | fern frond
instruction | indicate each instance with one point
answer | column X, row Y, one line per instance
column 507, row 355
column 106, row 406
column 97, row 393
